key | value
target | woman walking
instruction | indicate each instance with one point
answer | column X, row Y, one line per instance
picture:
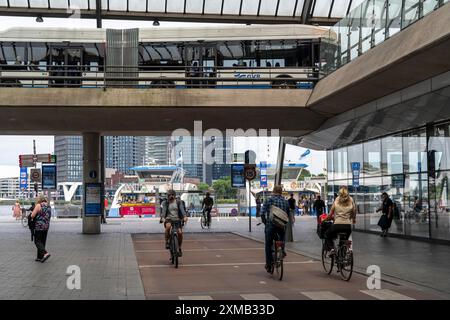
column 17, row 210
column 41, row 214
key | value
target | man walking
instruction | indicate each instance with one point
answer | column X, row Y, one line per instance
column 291, row 202
column 319, row 207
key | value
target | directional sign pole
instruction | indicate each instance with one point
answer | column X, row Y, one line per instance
column 249, row 206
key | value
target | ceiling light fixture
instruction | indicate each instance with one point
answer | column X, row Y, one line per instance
column 39, row 19
column 156, row 23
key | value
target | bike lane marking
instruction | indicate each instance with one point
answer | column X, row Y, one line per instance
column 322, row 295
column 223, row 264
column 386, row 294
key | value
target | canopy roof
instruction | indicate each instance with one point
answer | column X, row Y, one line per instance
column 321, row 12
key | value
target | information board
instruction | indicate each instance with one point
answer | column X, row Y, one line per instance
column 92, row 199
column 237, row 176
column 23, row 178
column 49, row 177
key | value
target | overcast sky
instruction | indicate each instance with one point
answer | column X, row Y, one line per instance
column 12, row 146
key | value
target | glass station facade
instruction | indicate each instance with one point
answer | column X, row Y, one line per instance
column 413, row 167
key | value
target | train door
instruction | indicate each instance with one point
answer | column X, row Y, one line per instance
column 66, row 62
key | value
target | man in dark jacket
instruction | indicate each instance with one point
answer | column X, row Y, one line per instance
column 319, row 207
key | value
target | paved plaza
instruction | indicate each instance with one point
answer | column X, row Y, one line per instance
column 112, row 265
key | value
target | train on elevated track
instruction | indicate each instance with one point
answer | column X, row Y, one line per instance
column 275, row 56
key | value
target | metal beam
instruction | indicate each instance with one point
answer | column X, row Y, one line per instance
column 161, row 16
column 306, row 10
column 98, row 13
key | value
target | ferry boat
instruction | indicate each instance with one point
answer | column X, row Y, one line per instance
column 144, row 197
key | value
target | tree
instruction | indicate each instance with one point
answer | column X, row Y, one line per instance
column 203, row 186
column 223, row 189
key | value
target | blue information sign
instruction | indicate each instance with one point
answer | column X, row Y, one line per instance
column 356, row 170
column 48, row 177
column 263, row 174
column 23, row 178
column 237, row 175
column 92, row 199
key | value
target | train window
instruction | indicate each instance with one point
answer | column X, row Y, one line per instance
column 37, row 52
column 13, row 52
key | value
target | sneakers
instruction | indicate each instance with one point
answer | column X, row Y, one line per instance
column 37, row 260
column 268, row 268
column 46, row 256
column 167, row 245
column 180, row 254
column 284, row 254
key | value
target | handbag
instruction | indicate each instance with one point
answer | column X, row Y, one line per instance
column 278, row 217
column 383, row 222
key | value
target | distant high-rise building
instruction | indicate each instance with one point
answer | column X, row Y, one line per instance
column 157, row 149
column 69, row 156
column 124, row 152
column 221, row 151
column 186, row 152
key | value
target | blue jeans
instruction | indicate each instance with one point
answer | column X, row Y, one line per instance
column 270, row 231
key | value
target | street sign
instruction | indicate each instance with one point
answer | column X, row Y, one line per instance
column 250, row 171
column 237, row 175
column 48, row 177
column 356, row 170
column 23, row 178
column 92, row 196
column 30, row 160
column 263, row 174
column 35, row 175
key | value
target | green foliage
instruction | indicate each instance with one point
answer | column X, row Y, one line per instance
column 223, row 190
column 203, row 186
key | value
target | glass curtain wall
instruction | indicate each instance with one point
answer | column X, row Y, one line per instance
column 412, row 167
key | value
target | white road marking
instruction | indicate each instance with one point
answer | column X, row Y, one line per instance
column 190, row 240
column 195, row 298
column 263, row 282
column 259, row 296
column 218, row 255
column 236, row 218
column 322, row 295
column 386, row 294
column 204, row 249
column 221, row 264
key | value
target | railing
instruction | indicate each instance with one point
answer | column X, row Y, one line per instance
column 366, row 26
column 157, row 76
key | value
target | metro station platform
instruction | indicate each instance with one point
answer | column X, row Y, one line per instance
column 127, row 261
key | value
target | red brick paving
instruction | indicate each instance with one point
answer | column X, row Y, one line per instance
column 224, row 266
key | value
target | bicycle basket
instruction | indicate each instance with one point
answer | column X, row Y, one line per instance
column 323, row 227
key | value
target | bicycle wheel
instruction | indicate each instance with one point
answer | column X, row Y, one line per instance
column 346, row 265
column 327, row 261
column 203, row 221
column 279, row 262
column 175, row 250
column 25, row 222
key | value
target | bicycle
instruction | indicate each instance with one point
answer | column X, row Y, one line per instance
column 343, row 256
column 204, row 221
column 173, row 243
column 277, row 256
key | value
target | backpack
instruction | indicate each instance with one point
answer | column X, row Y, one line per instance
column 180, row 215
column 278, row 217
column 396, row 212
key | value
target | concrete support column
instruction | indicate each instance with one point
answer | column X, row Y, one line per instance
column 278, row 178
column 92, row 163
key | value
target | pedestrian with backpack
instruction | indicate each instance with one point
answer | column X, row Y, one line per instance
column 275, row 216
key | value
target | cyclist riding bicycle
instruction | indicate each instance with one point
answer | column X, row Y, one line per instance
column 343, row 213
column 207, row 206
column 270, row 229
column 173, row 212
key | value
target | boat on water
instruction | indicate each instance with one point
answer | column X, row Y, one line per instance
column 143, row 198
